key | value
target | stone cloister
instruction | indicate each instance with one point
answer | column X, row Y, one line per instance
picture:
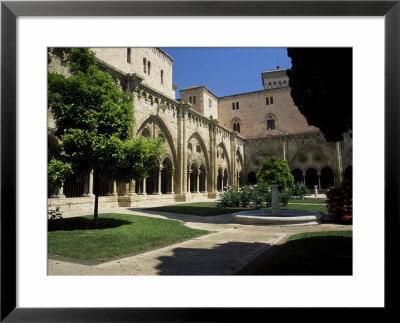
column 205, row 150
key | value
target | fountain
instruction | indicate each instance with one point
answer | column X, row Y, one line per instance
column 276, row 216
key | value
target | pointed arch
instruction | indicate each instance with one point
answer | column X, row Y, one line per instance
column 204, row 150
column 165, row 131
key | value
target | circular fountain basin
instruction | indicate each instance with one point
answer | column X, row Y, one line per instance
column 285, row 217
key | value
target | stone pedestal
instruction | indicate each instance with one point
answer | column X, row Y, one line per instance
column 275, row 199
column 316, row 190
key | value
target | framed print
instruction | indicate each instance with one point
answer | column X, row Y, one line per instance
column 193, row 24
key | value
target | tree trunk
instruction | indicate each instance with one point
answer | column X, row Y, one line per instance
column 96, row 190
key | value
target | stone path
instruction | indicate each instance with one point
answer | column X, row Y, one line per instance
column 226, row 250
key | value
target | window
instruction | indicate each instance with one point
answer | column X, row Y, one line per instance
column 162, row 77
column 128, row 55
column 210, row 103
column 190, row 99
column 194, row 99
column 279, row 84
column 284, row 84
column 237, row 105
column 144, row 65
column 267, row 101
column 234, row 127
column 233, row 106
column 274, row 85
column 238, row 127
column 269, row 85
column 146, row 132
column 271, row 100
column 270, row 124
column 149, row 66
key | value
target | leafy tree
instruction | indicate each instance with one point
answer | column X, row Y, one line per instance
column 321, row 87
column 94, row 122
column 275, row 171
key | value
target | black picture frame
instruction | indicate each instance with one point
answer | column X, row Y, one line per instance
column 10, row 10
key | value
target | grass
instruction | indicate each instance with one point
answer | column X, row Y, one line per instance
column 117, row 235
column 210, row 208
column 308, row 201
column 312, row 253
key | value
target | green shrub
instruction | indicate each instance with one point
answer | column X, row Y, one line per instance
column 229, row 198
column 284, row 197
column 246, row 195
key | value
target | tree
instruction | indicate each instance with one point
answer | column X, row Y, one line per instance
column 321, row 87
column 275, row 171
column 94, row 122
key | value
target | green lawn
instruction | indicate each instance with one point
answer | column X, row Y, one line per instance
column 210, row 208
column 313, row 253
column 308, row 201
column 117, row 235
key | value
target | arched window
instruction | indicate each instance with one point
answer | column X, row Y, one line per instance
column 271, row 100
column 234, row 127
column 284, row 84
column 274, row 85
column 279, row 84
column 162, row 77
column 145, row 132
column 148, row 66
column 267, row 101
column 233, row 106
column 144, row 65
column 128, row 55
column 237, row 105
column 269, row 85
column 238, row 127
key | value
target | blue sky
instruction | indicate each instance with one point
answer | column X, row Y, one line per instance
column 224, row 71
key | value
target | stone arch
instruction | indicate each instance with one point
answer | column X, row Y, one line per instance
column 311, row 177
column 204, row 151
column 164, row 130
column 167, row 175
column 255, row 161
column 226, row 158
column 298, row 176
column 327, row 178
column 309, row 155
column 252, row 178
column 348, row 172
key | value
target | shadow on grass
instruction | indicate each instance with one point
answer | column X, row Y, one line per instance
column 81, row 223
column 325, row 255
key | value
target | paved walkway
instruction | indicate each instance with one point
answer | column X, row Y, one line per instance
column 226, row 250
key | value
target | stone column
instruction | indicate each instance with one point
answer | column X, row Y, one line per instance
column 339, row 162
column 132, row 188
column 319, row 180
column 275, row 199
column 60, row 193
column 115, row 193
column 172, row 181
column 198, row 182
column 188, row 188
column 205, row 182
column 144, row 187
column 304, row 179
column 316, row 190
column 159, row 180
column 222, row 182
column 89, row 192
